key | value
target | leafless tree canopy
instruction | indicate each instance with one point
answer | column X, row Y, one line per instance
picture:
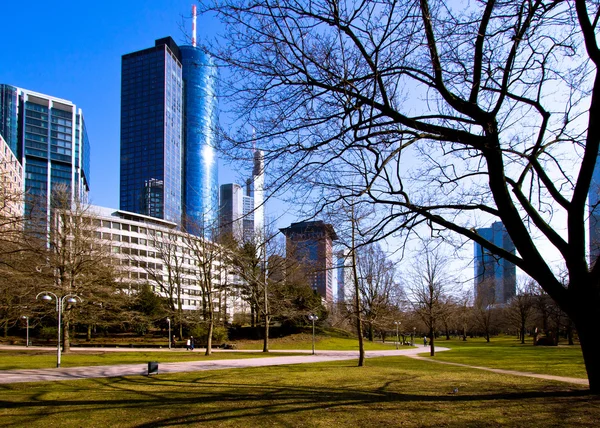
column 439, row 112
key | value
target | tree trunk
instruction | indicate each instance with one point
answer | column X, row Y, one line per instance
column 266, row 338
column 211, row 325
column 590, row 347
column 371, row 335
column 570, row 332
column 88, row 336
column 522, row 333
column 432, row 342
column 66, row 340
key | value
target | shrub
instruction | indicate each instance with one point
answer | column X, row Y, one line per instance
column 200, row 333
column 48, row 333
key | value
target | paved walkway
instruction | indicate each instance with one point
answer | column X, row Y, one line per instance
column 70, row 373
column 574, row 380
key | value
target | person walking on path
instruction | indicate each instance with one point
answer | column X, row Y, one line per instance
column 192, row 342
column 424, row 340
column 188, row 344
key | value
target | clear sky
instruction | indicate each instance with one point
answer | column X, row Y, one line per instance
column 72, row 50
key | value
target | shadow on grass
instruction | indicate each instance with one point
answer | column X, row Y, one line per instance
column 206, row 397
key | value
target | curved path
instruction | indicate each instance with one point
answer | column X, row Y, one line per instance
column 574, row 380
column 70, row 373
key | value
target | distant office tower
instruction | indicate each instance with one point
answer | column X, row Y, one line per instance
column 344, row 277
column 258, row 178
column 594, row 211
column 231, row 211
column 311, row 243
column 49, row 138
column 243, row 214
column 495, row 277
column 168, row 116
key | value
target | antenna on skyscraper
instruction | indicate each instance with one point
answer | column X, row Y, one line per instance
column 194, row 25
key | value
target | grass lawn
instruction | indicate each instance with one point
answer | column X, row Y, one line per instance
column 508, row 353
column 304, row 342
column 42, row 359
column 387, row 392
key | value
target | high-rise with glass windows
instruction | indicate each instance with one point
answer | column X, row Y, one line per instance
column 495, row 277
column 311, row 244
column 48, row 136
column 168, row 117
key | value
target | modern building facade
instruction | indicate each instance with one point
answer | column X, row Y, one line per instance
column 154, row 251
column 495, row 277
column 11, row 186
column 344, row 277
column 311, row 244
column 231, row 211
column 49, row 138
column 168, row 119
column 201, row 190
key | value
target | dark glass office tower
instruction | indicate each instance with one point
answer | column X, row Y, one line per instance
column 48, row 135
column 151, row 131
column 8, row 116
column 168, row 118
column 201, row 189
column 495, row 277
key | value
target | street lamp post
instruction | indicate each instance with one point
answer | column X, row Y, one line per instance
column 26, row 318
column 169, row 322
column 313, row 318
column 397, row 335
column 60, row 304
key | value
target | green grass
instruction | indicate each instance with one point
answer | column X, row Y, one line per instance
column 304, row 342
column 387, row 392
column 508, row 353
column 41, row 359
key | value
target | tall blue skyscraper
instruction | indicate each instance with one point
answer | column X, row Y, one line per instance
column 168, row 119
column 151, row 131
column 495, row 277
column 201, row 191
column 49, row 137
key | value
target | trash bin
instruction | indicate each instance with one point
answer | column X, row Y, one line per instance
column 152, row 367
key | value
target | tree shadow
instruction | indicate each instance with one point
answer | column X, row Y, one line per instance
column 217, row 400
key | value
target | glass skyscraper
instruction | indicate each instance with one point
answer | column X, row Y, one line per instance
column 49, row 138
column 495, row 277
column 168, row 118
column 201, row 189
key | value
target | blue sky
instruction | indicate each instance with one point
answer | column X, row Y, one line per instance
column 72, row 50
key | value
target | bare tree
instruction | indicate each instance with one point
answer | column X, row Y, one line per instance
column 520, row 308
column 169, row 275
column 429, row 286
column 74, row 260
column 377, row 285
column 442, row 113
column 207, row 257
column 484, row 308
